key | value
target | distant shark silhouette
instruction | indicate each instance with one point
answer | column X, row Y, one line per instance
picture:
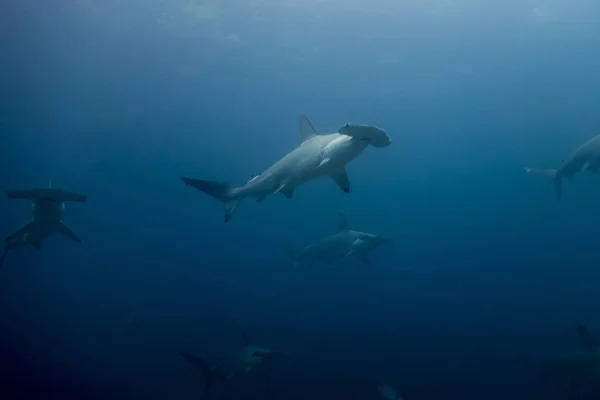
column 48, row 206
column 579, row 368
column 585, row 158
column 243, row 361
column 344, row 243
column 317, row 155
column 388, row 392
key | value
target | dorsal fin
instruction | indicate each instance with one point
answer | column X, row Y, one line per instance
column 343, row 224
column 586, row 340
column 50, row 184
column 307, row 130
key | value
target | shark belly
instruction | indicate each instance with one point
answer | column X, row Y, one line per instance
column 293, row 170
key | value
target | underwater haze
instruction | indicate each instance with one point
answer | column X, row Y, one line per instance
column 488, row 274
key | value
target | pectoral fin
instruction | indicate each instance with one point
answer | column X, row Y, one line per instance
column 65, row 231
column 285, row 190
column 341, row 178
column 323, row 162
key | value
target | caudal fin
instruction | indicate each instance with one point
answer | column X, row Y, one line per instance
column 209, row 375
column 3, row 257
column 57, row 195
column 558, row 187
column 547, row 174
column 292, row 254
column 220, row 191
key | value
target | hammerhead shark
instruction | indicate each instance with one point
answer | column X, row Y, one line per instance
column 318, row 155
column 46, row 212
column 585, row 158
column 243, row 361
column 344, row 243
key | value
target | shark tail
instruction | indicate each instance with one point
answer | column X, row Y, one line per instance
column 209, row 375
column 220, row 191
column 3, row 257
column 548, row 174
column 292, row 254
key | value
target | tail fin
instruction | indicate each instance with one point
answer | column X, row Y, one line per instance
column 557, row 187
column 3, row 257
column 292, row 254
column 220, row 191
column 547, row 174
column 209, row 375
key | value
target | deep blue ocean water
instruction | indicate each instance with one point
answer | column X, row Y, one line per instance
column 488, row 275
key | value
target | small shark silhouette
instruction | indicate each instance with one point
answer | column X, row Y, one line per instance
column 345, row 243
column 585, row 158
column 243, row 361
column 47, row 209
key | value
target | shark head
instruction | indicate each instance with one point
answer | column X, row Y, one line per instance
column 259, row 356
column 373, row 135
column 368, row 241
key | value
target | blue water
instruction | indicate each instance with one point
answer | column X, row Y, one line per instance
column 488, row 275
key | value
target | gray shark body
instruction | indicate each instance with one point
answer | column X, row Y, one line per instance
column 344, row 243
column 318, row 155
column 579, row 368
column 585, row 158
column 248, row 359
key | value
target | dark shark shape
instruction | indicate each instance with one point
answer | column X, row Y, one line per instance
column 345, row 243
column 584, row 158
column 579, row 368
column 48, row 206
column 243, row 361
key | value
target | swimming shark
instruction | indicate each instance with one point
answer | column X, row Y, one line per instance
column 585, row 158
column 318, row 155
column 579, row 368
column 344, row 243
column 46, row 212
column 241, row 362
